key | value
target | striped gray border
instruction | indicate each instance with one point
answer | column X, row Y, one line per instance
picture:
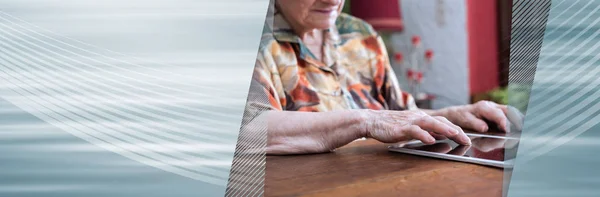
column 557, row 154
column 247, row 176
column 527, row 34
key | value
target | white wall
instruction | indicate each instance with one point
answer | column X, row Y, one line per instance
column 448, row 78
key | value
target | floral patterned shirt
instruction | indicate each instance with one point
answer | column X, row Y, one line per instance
column 354, row 73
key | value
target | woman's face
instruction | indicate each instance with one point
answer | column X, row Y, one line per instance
column 311, row 14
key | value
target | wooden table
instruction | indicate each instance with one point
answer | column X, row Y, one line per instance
column 367, row 168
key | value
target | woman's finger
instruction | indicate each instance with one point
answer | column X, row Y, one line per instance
column 504, row 108
column 460, row 137
column 433, row 125
column 438, row 136
column 472, row 122
column 416, row 132
column 491, row 112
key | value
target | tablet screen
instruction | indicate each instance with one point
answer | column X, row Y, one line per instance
column 489, row 148
column 494, row 133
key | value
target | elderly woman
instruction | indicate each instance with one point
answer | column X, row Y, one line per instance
column 327, row 80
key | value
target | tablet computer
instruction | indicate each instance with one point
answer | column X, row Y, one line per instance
column 489, row 151
column 494, row 133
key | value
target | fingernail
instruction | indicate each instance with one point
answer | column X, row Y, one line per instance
column 431, row 140
column 468, row 140
column 484, row 128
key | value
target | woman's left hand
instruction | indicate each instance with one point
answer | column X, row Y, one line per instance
column 473, row 116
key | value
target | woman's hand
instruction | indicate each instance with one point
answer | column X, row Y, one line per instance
column 397, row 126
column 473, row 116
column 307, row 132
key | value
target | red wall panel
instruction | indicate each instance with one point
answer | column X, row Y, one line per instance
column 482, row 45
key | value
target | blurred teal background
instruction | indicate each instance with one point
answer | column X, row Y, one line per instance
column 558, row 153
column 123, row 98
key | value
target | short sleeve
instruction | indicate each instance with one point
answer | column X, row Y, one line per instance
column 265, row 88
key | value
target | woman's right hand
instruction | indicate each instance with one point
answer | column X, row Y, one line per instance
column 398, row 126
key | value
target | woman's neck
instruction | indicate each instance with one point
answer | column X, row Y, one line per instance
column 314, row 42
column 307, row 35
column 313, row 37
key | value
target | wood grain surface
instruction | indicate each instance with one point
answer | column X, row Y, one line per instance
column 367, row 168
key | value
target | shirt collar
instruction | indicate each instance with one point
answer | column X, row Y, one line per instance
column 283, row 32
